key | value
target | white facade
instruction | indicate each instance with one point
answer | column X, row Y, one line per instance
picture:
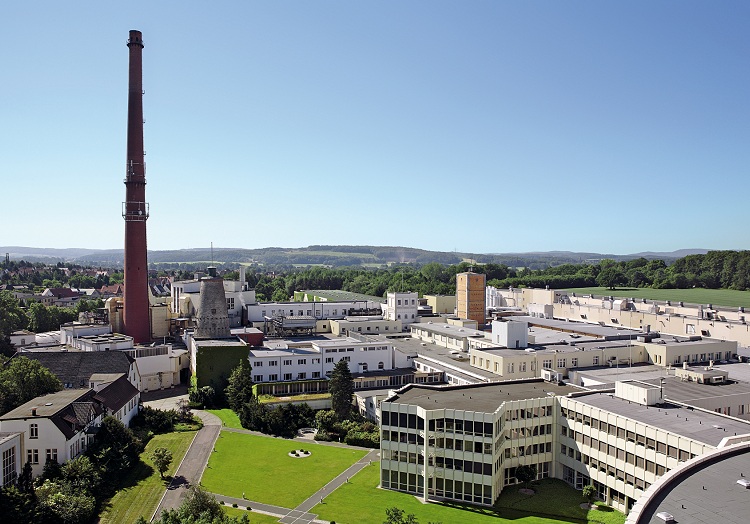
column 42, row 438
column 401, row 306
column 365, row 325
column 257, row 313
column 70, row 332
column 283, row 361
column 510, row 334
column 11, row 457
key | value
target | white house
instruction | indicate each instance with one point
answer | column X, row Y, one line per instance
column 59, row 426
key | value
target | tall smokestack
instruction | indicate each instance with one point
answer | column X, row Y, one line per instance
column 135, row 317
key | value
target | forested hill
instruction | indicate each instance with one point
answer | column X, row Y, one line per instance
column 371, row 256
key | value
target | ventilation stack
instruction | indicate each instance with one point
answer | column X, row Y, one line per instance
column 135, row 316
column 212, row 320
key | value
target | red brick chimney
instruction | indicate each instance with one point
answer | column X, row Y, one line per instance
column 135, row 316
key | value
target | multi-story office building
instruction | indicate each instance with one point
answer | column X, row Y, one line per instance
column 464, row 443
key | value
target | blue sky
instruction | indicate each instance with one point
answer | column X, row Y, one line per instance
column 482, row 126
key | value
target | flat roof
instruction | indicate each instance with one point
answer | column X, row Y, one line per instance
column 583, row 328
column 442, row 354
column 707, row 492
column 338, row 295
column 220, row 342
column 706, row 427
column 448, row 329
column 486, row 398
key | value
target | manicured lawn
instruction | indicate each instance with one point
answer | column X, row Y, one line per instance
column 717, row 297
column 228, row 417
column 255, row 518
column 554, row 497
column 551, row 505
column 261, row 468
column 143, row 487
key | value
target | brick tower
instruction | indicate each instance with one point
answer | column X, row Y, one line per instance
column 135, row 316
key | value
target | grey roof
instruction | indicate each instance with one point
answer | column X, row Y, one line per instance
column 485, row 398
column 47, row 405
column 442, row 354
column 450, row 330
column 582, row 328
column 76, row 367
column 702, row 426
column 117, row 394
column 705, row 492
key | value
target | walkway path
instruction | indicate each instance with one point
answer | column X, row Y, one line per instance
column 191, row 468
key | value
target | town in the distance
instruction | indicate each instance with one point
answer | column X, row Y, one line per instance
column 136, row 395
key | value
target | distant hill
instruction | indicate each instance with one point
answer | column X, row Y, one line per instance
column 326, row 255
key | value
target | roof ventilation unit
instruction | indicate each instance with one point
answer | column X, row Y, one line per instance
column 745, row 483
column 666, row 517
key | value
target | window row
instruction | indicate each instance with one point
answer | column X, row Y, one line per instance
column 637, row 438
column 543, row 429
column 531, row 449
column 522, row 414
column 458, row 490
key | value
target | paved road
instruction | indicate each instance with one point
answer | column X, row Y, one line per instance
column 191, row 468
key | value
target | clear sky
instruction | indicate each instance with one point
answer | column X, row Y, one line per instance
column 480, row 126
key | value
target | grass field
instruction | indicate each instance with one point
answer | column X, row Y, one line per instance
column 261, row 468
column 554, row 503
column 717, row 297
column 255, row 518
column 142, row 488
column 228, row 417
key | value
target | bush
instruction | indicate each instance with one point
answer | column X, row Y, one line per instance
column 234, row 505
column 323, row 436
column 155, row 420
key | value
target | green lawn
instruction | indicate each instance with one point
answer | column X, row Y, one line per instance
column 255, row 518
column 717, row 297
column 228, row 417
column 261, row 468
column 143, row 488
column 554, row 503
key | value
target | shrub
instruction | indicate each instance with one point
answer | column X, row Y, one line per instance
column 234, row 505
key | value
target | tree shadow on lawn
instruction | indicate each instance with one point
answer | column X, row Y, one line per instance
column 509, row 513
column 140, row 471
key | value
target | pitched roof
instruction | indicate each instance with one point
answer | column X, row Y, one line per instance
column 76, row 367
column 117, row 394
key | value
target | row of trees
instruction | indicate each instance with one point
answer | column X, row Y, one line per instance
column 716, row 269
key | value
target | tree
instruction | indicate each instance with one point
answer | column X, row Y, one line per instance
column 23, row 380
column 611, row 277
column 115, row 448
column 63, row 504
column 12, row 318
column 80, row 474
column 240, row 387
column 526, row 473
column 589, row 492
column 161, row 458
column 396, row 515
column 341, row 386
